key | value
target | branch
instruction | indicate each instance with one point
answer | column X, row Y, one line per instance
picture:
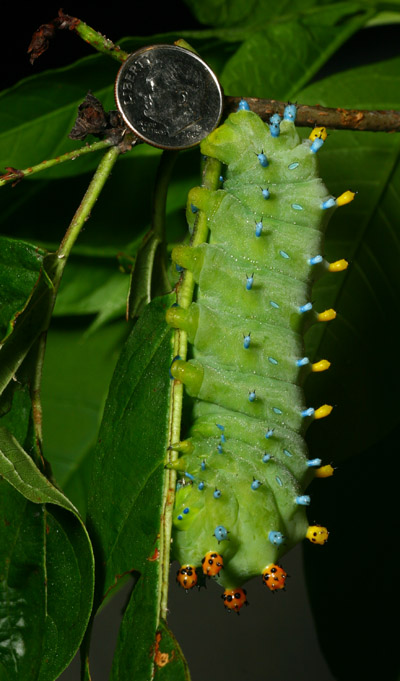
column 92, row 194
column 42, row 36
column 15, row 175
column 307, row 116
column 310, row 116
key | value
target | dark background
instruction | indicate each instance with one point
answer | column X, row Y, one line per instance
column 286, row 641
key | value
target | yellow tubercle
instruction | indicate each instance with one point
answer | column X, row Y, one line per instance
column 338, row 265
column 327, row 315
column 344, row 198
column 323, row 411
column 322, row 365
column 319, row 133
column 324, row 471
column 317, row 534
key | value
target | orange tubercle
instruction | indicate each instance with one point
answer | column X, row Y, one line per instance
column 186, row 576
column 234, row 599
column 212, row 563
column 274, row 577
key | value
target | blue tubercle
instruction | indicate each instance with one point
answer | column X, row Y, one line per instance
column 290, row 113
column 274, row 304
column 217, row 494
column 305, row 308
column 275, row 119
column 263, row 160
column 297, row 206
column 287, row 453
column 276, row 538
column 302, row 362
column 314, row 463
column 220, row 533
column 201, row 486
column 272, row 360
column 243, row 105
column 329, row 203
column 249, row 282
column 220, row 450
column 303, row 500
column 180, row 517
column 252, row 395
column 256, row 484
column 315, row 260
column 294, row 165
column 277, row 410
column 188, row 475
column 316, row 145
column 269, row 433
column 203, row 466
column 307, row 412
column 186, row 510
column 266, row 458
column 259, row 226
column 265, row 193
column 246, row 341
column 179, row 268
column 193, row 208
column 279, row 481
column 275, row 129
column 223, row 438
column 285, row 255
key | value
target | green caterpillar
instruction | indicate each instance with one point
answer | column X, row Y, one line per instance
column 240, row 500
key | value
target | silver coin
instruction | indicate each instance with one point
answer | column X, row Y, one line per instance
column 168, row 96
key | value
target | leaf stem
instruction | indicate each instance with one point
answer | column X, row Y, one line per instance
column 15, row 175
column 334, row 119
column 92, row 193
column 100, row 42
column 149, row 277
column 212, row 169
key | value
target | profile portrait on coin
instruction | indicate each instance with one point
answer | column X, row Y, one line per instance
column 172, row 95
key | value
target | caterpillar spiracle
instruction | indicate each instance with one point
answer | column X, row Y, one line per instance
column 241, row 495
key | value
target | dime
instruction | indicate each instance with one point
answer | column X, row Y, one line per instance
column 168, row 96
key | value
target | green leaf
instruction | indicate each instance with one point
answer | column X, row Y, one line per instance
column 19, row 470
column 155, row 646
column 362, row 341
column 127, row 484
column 20, row 265
column 131, row 448
column 46, row 571
column 177, row 667
column 257, row 68
column 252, row 12
column 31, row 322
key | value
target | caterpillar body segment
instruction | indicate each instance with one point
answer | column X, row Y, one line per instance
column 241, row 494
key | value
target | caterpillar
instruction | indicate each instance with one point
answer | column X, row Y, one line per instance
column 243, row 473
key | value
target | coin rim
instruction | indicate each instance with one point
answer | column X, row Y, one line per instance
column 131, row 57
